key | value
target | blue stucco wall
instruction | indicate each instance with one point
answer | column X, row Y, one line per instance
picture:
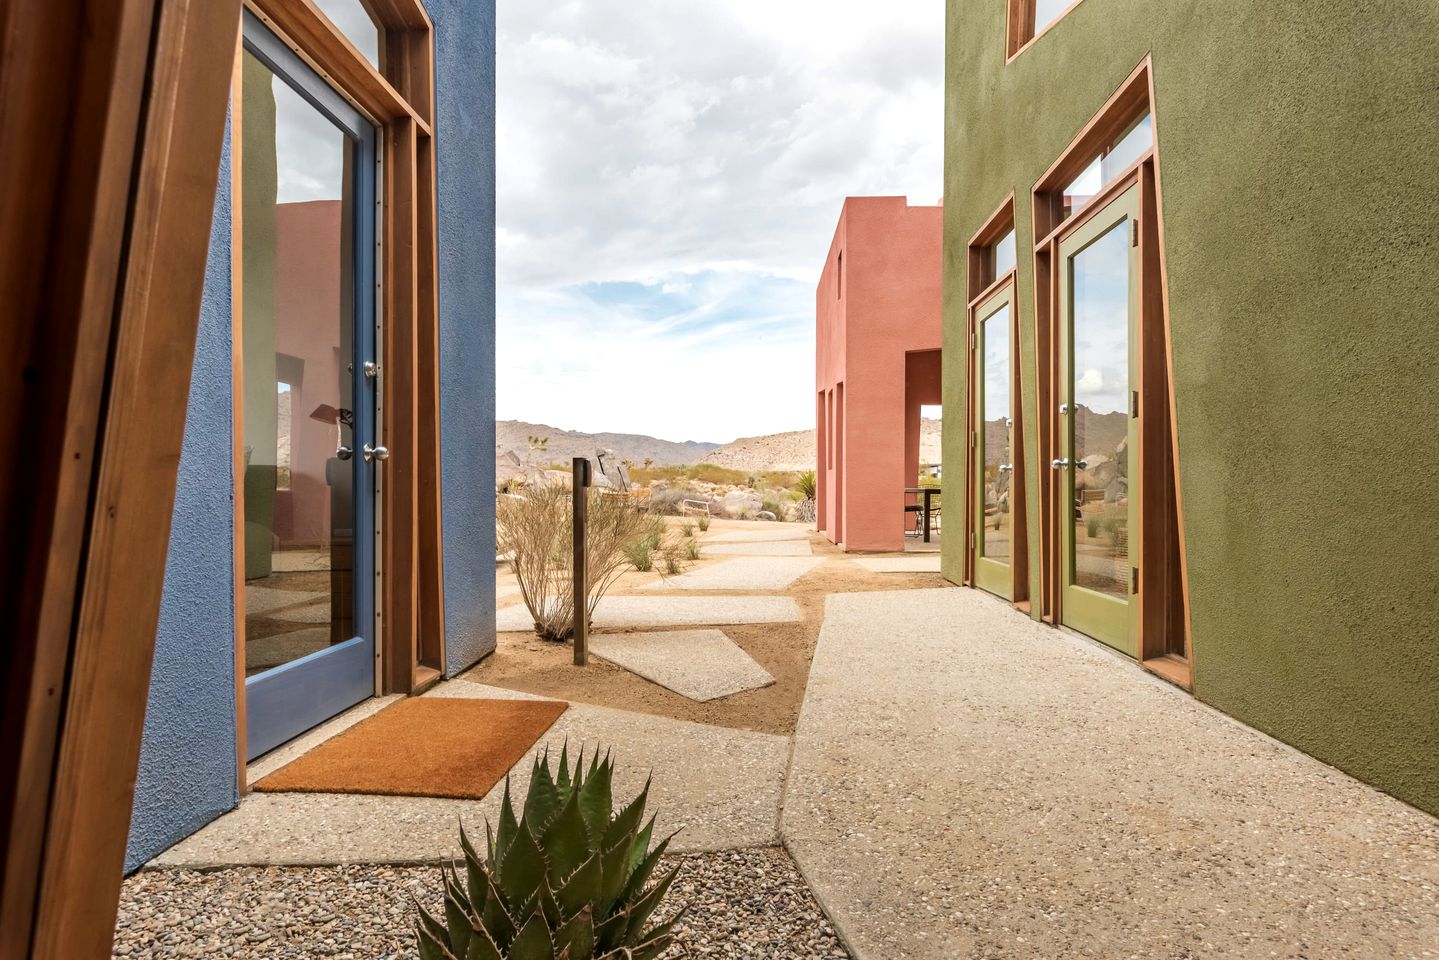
column 187, row 758
column 465, row 132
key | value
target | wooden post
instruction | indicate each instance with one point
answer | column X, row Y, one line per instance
column 579, row 488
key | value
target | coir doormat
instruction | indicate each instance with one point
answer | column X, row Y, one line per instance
column 422, row 747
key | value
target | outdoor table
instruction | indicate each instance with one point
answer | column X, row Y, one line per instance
column 926, row 494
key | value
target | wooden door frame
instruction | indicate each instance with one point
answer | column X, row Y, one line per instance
column 398, row 97
column 1164, row 573
column 117, row 114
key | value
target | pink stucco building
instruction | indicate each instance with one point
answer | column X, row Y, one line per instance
column 877, row 361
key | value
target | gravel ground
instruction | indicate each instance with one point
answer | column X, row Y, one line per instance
column 744, row 904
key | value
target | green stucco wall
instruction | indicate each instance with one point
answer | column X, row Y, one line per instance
column 1299, row 163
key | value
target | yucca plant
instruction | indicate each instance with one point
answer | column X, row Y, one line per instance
column 567, row 880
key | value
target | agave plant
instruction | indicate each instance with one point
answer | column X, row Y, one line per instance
column 568, row 880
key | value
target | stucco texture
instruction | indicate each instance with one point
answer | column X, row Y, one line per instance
column 1296, row 147
column 877, row 332
column 465, row 134
column 186, row 775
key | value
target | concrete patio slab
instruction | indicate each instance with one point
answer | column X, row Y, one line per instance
column 747, row 536
column 642, row 611
column 927, row 563
column 743, row 573
column 722, row 786
column 968, row 783
column 703, row 665
column 759, row 548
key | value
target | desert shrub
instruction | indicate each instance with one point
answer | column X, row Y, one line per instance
column 1091, row 525
column 672, row 558
column 807, row 484
column 713, row 473
column 692, row 549
column 704, row 523
column 537, row 529
column 774, row 506
column 569, row 877
column 641, row 556
column 687, row 530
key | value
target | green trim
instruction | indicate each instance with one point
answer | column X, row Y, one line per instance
column 996, row 576
column 1106, row 618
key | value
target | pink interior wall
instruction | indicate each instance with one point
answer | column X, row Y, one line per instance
column 307, row 309
column 887, row 308
column 922, row 382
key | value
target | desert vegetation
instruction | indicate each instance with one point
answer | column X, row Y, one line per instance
column 536, row 528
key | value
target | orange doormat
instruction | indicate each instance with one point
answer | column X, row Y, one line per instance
column 423, row 747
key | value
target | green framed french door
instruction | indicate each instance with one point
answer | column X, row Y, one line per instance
column 1098, row 489
column 994, row 400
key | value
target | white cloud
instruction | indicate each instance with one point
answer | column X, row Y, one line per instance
column 701, row 152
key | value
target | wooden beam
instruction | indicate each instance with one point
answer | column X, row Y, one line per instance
column 430, row 533
column 401, row 410
column 105, row 284
column 334, row 57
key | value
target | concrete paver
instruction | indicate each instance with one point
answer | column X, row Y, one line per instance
column 968, row 783
column 758, row 548
column 741, row 573
column 700, row 664
column 747, row 536
column 722, row 786
column 665, row 611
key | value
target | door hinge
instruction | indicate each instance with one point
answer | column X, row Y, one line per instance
column 1134, row 404
column 1134, row 234
column 971, row 541
column 971, row 341
column 1133, row 579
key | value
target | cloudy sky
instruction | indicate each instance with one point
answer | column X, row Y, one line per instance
column 670, row 174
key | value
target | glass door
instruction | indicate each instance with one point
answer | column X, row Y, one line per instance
column 306, row 325
column 994, row 445
column 1098, row 376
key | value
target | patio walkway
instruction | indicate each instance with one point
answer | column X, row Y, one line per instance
column 967, row 783
column 722, row 786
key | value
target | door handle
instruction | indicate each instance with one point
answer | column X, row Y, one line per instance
column 376, row 453
column 1006, row 467
column 343, row 452
column 1059, row 464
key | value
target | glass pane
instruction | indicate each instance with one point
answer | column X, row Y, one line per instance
column 1100, row 415
column 297, row 332
column 997, row 430
column 1003, row 253
column 352, row 19
column 1048, row 11
column 1115, row 159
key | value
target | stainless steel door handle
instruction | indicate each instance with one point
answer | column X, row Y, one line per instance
column 1059, row 464
column 1006, row 467
column 343, row 452
column 376, row 453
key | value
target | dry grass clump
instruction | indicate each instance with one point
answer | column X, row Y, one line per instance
column 536, row 527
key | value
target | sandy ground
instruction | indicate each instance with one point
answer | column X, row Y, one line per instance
column 523, row 662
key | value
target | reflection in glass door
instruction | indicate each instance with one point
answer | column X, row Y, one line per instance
column 1098, row 490
column 994, row 445
column 306, row 326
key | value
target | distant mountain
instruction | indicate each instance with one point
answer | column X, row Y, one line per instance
column 798, row 450
column 563, row 445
